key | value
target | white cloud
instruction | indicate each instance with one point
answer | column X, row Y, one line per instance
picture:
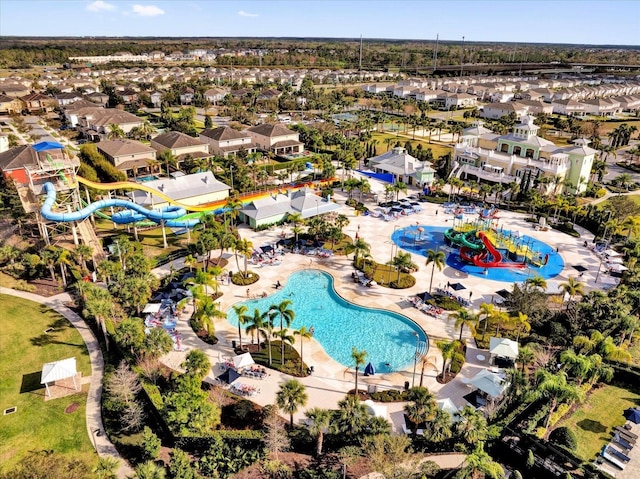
column 100, row 6
column 242, row 13
column 147, row 10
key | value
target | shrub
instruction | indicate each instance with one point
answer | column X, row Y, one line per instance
column 565, row 437
column 457, row 361
column 405, row 281
column 150, row 444
column 240, row 279
column 445, row 302
column 389, row 395
column 558, row 414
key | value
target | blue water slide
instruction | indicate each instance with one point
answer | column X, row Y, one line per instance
column 169, row 214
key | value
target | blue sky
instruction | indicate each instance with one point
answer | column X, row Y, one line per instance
column 544, row 21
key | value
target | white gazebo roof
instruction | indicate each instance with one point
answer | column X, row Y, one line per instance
column 152, row 308
column 242, row 361
column 504, row 347
column 58, row 370
column 490, row 383
column 447, row 405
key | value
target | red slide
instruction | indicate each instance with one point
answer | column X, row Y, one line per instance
column 496, row 262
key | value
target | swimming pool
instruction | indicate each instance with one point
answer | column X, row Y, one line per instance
column 144, row 179
column 389, row 338
column 432, row 237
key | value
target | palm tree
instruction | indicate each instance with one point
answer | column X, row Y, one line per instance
column 399, row 187
column 243, row 248
column 537, row 282
column 106, row 468
column 149, row 470
column 488, row 310
column 286, row 315
column 555, row 388
column 320, row 420
column 304, row 333
column 358, row 247
column 115, row 132
column 290, row 397
column 243, row 318
column 464, row 318
column 266, row 330
column 420, row 408
column 573, row 288
column 255, row 323
column 83, row 252
column 359, row 358
column 435, row 258
column 190, row 262
column 479, row 464
column 207, row 312
column 447, row 348
column 472, row 425
column 522, row 324
column 196, row 364
column 632, row 225
column 525, row 356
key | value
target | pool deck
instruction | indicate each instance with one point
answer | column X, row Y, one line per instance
column 331, row 380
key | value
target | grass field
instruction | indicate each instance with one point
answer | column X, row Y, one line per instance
column 593, row 420
column 24, row 348
column 436, row 149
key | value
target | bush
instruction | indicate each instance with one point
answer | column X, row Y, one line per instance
column 150, row 444
column 389, row 395
column 558, row 414
column 564, row 437
column 240, row 279
column 405, row 281
column 445, row 302
column 457, row 361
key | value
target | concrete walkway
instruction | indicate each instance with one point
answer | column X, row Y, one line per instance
column 95, row 428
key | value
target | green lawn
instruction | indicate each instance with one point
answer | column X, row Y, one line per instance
column 437, row 149
column 24, row 348
column 593, row 420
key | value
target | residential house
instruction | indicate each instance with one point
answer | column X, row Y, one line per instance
column 186, row 97
column 214, row 95
column 129, row 156
column 14, row 90
column 181, row 146
column 95, row 124
column 460, row 100
column 65, row 99
column 128, row 96
column 602, row 107
column 225, row 141
column 630, row 103
column 276, row 138
column 98, row 98
column 568, row 107
column 494, row 111
column 520, row 156
column 269, row 94
column 156, row 99
column 194, row 189
column 37, row 103
column 9, row 105
column 403, row 167
column 537, row 107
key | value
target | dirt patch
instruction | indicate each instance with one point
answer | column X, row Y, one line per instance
column 46, row 287
column 71, row 408
column 447, row 378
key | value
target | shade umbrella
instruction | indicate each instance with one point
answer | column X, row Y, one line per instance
column 617, row 267
column 457, row 286
column 579, row 267
column 369, row 370
column 425, row 296
column 632, row 415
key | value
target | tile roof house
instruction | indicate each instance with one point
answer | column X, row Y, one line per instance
column 37, row 103
column 226, row 141
column 181, row 145
column 95, row 124
column 9, row 105
column 276, row 138
column 97, row 97
column 129, row 156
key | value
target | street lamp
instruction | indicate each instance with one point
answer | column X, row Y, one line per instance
column 606, row 226
column 231, row 170
column 415, row 359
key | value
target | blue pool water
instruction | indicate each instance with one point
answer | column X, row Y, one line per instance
column 432, row 237
column 143, row 179
column 339, row 325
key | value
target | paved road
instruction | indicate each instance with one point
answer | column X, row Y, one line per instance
column 95, row 428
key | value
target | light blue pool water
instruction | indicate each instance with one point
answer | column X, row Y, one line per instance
column 389, row 338
column 143, row 179
column 432, row 237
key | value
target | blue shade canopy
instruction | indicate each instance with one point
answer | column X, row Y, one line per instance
column 633, row 415
column 369, row 370
column 48, row 145
column 229, row 376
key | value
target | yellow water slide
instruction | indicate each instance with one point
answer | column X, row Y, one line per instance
column 130, row 185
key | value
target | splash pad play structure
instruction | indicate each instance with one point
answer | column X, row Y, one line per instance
column 481, row 249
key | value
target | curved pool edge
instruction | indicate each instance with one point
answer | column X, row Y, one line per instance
column 336, row 283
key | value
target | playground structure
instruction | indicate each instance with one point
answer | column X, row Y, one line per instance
column 483, row 245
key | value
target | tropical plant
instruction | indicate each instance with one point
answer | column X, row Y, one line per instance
column 320, row 420
column 290, row 397
column 304, row 333
column 556, row 389
column 359, row 358
column 464, row 318
column 435, row 259
column 286, row 315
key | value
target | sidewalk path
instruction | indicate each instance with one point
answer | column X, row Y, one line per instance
column 101, row 442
